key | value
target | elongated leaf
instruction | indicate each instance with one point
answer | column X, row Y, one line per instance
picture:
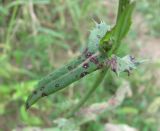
column 89, row 61
column 124, row 23
column 112, row 38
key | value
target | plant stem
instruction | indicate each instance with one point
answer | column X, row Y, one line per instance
column 98, row 81
column 122, row 4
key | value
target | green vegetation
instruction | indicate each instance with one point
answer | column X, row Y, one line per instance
column 39, row 36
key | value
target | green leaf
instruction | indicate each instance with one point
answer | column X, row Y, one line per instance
column 124, row 64
column 124, row 23
column 113, row 37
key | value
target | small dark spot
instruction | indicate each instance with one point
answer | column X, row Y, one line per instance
column 27, row 106
column 56, row 85
column 35, row 92
column 94, row 60
column 88, row 54
column 85, row 65
column 83, row 74
column 69, row 68
column 44, row 94
column 42, row 88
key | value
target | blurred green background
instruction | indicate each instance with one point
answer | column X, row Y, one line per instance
column 38, row 36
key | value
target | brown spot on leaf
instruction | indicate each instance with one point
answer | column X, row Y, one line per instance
column 88, row 54
column 85, row 65
column 35, row 92
column 94, row 60
column 27, row 106
column 44, row 94
column 83, row 74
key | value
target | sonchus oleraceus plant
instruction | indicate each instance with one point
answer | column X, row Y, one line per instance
column 99, row 54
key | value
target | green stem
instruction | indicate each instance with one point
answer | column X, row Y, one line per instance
column 98, row 81
column 121, row 6
column 102, row 74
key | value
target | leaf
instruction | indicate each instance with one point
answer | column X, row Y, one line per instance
column 118, row 32
column 124, row 23
column 89, row 61
column 96, row 36
column 94, row 57
column 124, row 64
